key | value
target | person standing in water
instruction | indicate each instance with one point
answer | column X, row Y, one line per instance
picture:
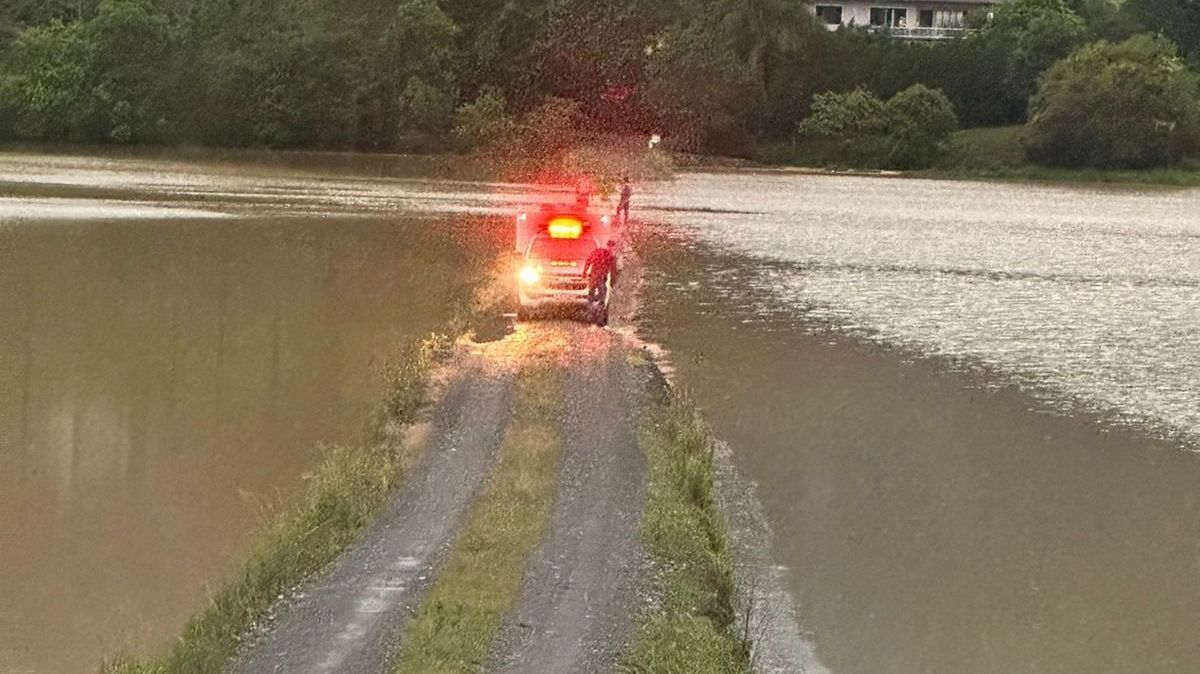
column 626, row 196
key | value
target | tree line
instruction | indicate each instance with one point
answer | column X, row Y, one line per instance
column 718, row 76
column 1094, row 83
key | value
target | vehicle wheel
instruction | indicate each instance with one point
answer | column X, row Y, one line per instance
column 602, row 317
column 524, row 314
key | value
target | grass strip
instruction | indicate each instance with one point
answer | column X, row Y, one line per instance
column 690, row 628
column 460, row 616
column 341, row 496
column 1042, row 174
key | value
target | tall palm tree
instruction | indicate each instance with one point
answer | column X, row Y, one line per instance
column 759, row 28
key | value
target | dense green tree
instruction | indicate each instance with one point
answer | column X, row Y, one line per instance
column 483, row 123
column 497, row 40
column 46, row 81
column 1177, row 20
column 594, row 52
column 699, row 88
column 549, row 129
column 1106, row 19
column 714, row 75
column 1131, row 104
column 1032, row 35
column 761, row 29
column 129, row 43
column 32, row 13
column 410, row 80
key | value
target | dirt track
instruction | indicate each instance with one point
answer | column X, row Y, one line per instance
column 579, row 591
column 581, row 587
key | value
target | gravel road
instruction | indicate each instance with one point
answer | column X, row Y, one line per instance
column 580, row 590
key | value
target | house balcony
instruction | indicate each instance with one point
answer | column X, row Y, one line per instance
column 922, row 32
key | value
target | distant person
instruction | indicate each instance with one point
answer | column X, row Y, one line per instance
column 600, row 264
column 626, row 196
column 583, row 192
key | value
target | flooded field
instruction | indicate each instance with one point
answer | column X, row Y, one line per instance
column 967, row 407
column 177, row 340
column 964, row 404
column 1091, row 296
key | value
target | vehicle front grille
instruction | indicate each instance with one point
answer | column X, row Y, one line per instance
column 574, row 283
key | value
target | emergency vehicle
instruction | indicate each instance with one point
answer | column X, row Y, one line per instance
column 554, row 243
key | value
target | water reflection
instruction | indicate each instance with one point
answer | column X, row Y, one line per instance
column 164, row 378
column 932, row 522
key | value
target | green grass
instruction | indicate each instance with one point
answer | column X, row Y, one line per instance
column 803, row 152
column 990, row 149
column 1031, row 173
column 340, row 498
column 996, row 154
column 458, row 619
column 691, row 628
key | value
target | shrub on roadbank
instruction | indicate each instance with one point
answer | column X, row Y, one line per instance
column 691, row 626
column 342, row 495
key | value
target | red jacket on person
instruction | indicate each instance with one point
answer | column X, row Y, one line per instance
column 599, row 264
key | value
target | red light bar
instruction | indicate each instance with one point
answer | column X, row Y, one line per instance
column 565, row 228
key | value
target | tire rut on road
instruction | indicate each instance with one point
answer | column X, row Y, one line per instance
column 580, row 589
column 347, row 619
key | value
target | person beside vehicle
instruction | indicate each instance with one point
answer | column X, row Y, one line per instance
column 600, row 264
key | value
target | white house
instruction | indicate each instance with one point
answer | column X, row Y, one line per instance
column 908, row 19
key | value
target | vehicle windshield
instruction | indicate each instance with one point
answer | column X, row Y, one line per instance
column 545, row 248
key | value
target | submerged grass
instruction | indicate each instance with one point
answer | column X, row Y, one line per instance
column 341, row 496
column 691, row 627
column 462, row 612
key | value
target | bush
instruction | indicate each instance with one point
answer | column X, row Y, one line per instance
column 909, row 131
column 853, row 114
column 854, row 119
column 919, row 120
column 1126, row 105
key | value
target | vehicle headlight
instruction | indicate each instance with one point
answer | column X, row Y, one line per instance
column 530, row 275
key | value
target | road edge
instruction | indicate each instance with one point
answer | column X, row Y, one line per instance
column 690, row 622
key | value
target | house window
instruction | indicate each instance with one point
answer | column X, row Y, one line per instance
column 925, row 18
column 888, row 17
column 949, row 18
column 830, row 14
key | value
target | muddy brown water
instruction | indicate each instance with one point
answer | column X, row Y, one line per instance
column 178, row 339
column 933, row 519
